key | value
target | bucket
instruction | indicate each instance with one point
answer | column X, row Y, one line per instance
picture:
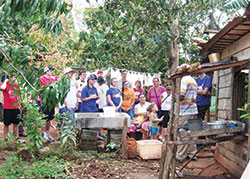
column 132, row 151
column 195, row 124
column 214, row 57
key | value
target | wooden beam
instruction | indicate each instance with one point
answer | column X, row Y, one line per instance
column 242, row 27
column 236, row 21
column 206, row 141
column 233, row 37
column 237, row 32
column 210, row 67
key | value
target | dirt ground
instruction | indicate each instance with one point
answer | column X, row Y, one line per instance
column 96, row 167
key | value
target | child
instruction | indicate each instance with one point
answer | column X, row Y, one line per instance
column 152, row 109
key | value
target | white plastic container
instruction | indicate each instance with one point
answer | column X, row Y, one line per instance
column 149, row 149
column 109, row 111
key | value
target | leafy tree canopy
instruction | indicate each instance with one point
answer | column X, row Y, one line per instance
column 136, row 34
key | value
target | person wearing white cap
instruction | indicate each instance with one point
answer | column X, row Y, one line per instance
column 45, row 80
column 71, row 101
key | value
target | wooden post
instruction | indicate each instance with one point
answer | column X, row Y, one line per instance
column 178, row 83
column 217, row 95
column 124, row 139
column 248, row 110
column 167, row 151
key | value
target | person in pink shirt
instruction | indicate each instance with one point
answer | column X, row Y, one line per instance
column 154, row 96
column 45, row 80
column 11, row 110
column 155, row 92
column 138, row 90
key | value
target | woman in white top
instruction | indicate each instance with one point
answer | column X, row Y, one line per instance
column 141, row 118
column 166, row 98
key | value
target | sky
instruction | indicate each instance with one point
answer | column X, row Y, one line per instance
column 77, row 11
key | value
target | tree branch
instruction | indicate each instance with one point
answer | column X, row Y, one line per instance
column 9, row 61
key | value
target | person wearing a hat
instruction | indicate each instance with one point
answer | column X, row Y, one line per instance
column 45, row 80
column 102, row 88
column 71, row 101
column 89, row 95
column 100, row 73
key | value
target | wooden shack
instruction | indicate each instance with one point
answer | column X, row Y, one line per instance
column 231, row 88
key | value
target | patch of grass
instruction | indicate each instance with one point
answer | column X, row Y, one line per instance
column 11, row 145
column 47, row 168
column 59, row 152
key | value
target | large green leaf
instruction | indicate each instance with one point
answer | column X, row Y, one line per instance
column 235, row 4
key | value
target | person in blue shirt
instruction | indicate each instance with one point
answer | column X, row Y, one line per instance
column 114, row 95
column 89, row 96
column 203, row 99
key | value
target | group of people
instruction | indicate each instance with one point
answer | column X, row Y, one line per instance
column 149, row 112
column 195, row 99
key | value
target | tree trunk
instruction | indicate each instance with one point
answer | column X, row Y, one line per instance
column 168, row 151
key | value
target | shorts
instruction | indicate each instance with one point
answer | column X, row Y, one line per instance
column 164, row 122
column 11, row 116
column 153, row 130
column 49, row 114
column 1, row 112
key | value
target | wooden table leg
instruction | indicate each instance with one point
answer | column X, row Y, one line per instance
column 124, row 139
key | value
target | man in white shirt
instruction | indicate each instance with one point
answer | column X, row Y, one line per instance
column 102, row 88
column 71, row 101
column 81, row 84
column 124, row 78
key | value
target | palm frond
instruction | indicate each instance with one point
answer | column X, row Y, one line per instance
column 236, row 4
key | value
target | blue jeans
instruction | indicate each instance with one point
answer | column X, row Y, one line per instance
column 130, row 113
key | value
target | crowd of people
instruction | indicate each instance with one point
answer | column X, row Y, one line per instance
column 149, row 110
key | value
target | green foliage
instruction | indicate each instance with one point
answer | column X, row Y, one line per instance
column 54, row 93
column 138, row 35
column 33, row 121
column 245, row 109
column 112, row 147
column 51, row 95
column 48, row 168
column 12, row 145
column 68, row 134
column 27, row 13
column 235, row 4
column 18, row 20
column 55, row 150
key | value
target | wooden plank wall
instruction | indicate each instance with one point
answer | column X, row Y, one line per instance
column 224, row 105
column 232, row 154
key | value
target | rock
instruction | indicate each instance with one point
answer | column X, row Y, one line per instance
column 25, row 154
